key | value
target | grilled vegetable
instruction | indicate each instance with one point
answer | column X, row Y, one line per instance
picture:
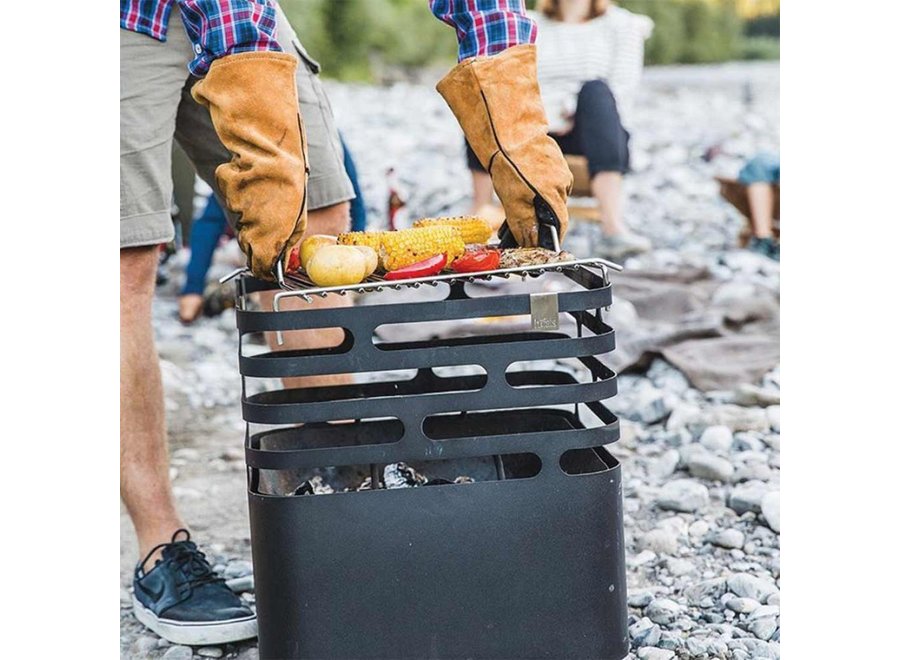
column 475, row 261
column 472, row 229
column 370, row 238
column 514, row 257
column 431, row 266
column 311, row 244
column 409, row 246
column 371, row 258
column 337, row 265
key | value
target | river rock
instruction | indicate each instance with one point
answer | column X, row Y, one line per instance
column 178, row 653
column 707, row 466
column 770, row 505
column 661, row 541
column 684, row 495
column 664, row 465
column 750, row 586
column 729, row 538
column 663, row 611
column 741, row 605
column 747, row 497
column 640, row 597
column 698, row 591
column 717, row 439
column 650, row 653
column 644, row 633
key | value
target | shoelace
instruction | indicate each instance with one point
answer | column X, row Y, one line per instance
column 188, row 559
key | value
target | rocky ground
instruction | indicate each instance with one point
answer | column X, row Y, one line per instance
column 701, row 470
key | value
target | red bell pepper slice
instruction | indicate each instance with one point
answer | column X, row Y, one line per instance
column 477, row 261
column 430, row 266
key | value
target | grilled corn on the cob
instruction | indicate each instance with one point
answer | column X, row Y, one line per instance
column 472, row 229
column 370, row 238
column 408, row 246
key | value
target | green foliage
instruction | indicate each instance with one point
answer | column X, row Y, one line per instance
column 760, row 48
column 358, row 39
column 351, row 37
column 764, row 26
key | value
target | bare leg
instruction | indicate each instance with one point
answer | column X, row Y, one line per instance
column 482, row 190
column 607, row 190
column 330, row 220
column 143, row 455
column 761, row 199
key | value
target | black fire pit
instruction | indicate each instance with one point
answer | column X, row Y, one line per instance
column 524, row 562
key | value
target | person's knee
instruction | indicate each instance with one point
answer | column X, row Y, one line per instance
column 332, row 220
column 137, row 272
column 596, row 93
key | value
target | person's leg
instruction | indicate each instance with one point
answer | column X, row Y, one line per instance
column 603, row 140
column 599, row 133
column 358, row 205
column 151, row 76
column 143, row 456
column 205, row 234
column 761, row 198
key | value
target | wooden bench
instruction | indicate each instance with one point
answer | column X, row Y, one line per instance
column 735, row 193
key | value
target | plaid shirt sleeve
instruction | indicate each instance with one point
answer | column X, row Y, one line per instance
column 486, row 27
column 224, row 27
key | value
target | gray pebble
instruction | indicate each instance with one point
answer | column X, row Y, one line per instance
column 143, row 645
column 771, row 510
column 661, row 541
column 664, row 465
column 640, row 597
column 717, row 439
column 240, row 584
column 178, row 653
column 763, row 628
column 210, row 652
column 649, row 653
column 644, row 633
column 685, row 495
column 747, row 497
column 742, row 605
column 750, row 586
column 663, row 611
column 678, row 566
column 729, row 538
column 708, row 466
column 697, row 591
column 238, row 568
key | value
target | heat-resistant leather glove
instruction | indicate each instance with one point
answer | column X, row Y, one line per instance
column 252, row 99
column 498, row 105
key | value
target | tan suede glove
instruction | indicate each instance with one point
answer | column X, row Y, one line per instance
column 252, row 99
column 498, row 105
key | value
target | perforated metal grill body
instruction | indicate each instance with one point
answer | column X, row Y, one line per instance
column 526, row 562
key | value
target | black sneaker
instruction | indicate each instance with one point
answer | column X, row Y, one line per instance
column 182, row 600
column 766, row 247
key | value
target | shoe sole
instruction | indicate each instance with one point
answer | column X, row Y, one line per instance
column 199, row 633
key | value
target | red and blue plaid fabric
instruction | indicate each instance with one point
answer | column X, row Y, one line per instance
column 486, row 27
column 215, row 27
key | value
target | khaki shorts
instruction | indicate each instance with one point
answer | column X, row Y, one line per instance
column 156, row 107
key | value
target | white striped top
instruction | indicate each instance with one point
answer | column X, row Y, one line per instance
column 609, row 47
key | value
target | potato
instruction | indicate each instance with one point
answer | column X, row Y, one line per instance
column 371, row 258
column 312, row 243
column 337, row 265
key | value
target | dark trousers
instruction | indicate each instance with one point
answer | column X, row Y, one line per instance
column 597, row 134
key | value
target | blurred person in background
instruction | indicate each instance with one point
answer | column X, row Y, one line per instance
column 761, row 174
column 590, row 58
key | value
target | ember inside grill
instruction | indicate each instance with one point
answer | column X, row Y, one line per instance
column 523, row 558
